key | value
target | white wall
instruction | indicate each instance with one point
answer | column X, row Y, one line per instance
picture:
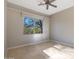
column 15, row 29
column 5, row 30
column 62, row 26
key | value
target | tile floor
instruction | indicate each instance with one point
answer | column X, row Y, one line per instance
column 47, row 50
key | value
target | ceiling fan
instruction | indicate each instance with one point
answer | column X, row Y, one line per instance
column 48, row 3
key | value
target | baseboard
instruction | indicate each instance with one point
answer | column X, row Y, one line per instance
column 27, row 44
column 64, row 43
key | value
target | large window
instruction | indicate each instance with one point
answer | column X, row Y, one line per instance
column 32, row 25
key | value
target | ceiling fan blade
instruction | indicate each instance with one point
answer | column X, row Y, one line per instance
column 41, row 4
column 47, row 6
column 53, row 5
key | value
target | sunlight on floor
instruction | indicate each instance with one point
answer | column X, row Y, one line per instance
column 59, row 53
column 46, row 50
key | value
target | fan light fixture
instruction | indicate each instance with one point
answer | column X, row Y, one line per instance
column 48, row 3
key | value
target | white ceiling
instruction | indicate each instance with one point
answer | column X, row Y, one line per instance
column 33, row 4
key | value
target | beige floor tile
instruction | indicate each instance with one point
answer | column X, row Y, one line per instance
column 47, row 50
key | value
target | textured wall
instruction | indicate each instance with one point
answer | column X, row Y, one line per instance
column 62, row 26
column 15, row 29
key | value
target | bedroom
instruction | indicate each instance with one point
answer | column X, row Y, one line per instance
column 36, row 31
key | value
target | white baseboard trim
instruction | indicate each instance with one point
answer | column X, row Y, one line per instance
column 27, row 44
column 39, row 43
column 64, row 43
